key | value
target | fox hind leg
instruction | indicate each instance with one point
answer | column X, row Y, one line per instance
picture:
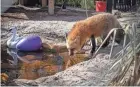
column 93, row 43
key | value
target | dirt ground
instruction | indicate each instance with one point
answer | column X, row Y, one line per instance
column 52, row 29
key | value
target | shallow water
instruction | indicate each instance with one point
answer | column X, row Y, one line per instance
column 32, row 65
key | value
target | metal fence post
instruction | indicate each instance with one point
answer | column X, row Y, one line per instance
column 64, row 4
column 109, row 6
column 51, row 7
column 114, row 4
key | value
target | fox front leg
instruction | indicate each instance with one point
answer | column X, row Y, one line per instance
column 93, row 43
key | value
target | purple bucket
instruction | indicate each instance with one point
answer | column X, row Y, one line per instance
column 30, row 43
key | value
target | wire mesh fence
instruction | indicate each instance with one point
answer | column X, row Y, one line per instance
column 126, row 5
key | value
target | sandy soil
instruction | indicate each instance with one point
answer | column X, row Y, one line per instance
column 52, row 30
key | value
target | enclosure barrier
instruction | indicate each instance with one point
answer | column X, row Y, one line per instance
column 128, row 56
column 124, row 5
column 111, row 31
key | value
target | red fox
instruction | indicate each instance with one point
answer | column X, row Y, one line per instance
column 95, row 26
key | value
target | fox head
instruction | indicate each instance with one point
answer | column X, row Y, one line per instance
column 73, row 45
column 77, row 36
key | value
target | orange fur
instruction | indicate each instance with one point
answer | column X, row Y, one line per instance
column 96, row 25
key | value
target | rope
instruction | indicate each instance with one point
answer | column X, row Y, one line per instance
column 112, row 43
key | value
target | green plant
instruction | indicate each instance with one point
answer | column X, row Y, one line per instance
column 78, row 3
column 90, row 4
